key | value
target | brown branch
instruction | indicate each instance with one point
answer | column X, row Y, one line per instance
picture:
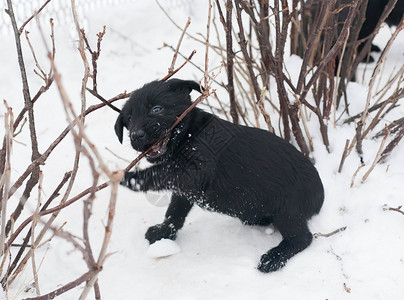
column 5, row 176
column 87, row 211
column 333, row 51
column 83, row 278
column 394, row 98
column 355, row 174
column 187, row 60
column 376, row 71
column 281, row 29
column 344, row 155
column 94, row 58
column 314, row 36
column 390, row 147
column 171, row 68
column 265, row 114
column 35, row 171
column 358, row 136
column 33, row 16
column 103, row 100
column 319, row 234
column 393, row 127
column 170, row 74
column 33, row 225
column 378, row 155
column 31, row 120
column 391, row 100
column 227, row 25
column 207, row 45
column 94, row 54
column 41, row 160
column 115, row 179
column 247, row 57
column 398, row 209
column 42, row 75
column 48, row 81
column 26, row 93
column 26, row 239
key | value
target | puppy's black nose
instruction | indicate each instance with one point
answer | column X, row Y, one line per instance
column 138, row 135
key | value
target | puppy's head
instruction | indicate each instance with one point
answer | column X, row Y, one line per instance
column 150, row 112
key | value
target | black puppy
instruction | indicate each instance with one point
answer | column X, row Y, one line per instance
column 239, row 171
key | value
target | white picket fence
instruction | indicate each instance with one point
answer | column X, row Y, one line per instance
column 60, row 10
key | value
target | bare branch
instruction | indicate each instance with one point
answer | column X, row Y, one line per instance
column 5, row 177
column 378, row 155
column 344, row 155
column 355, row 174
column 54, row 195
column 170, row 74
column 83, row 278
column 390, row 147
column 319, row 234
column 171, row 68
column 398, row 209
column 227, row 25
column 33, row 16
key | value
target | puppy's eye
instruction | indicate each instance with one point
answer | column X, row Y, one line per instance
column 157, row 109
column 129, row 118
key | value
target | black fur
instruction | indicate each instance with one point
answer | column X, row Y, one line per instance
column 240, row 171
column 374, row 11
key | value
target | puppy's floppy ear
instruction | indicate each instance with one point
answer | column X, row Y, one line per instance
column 119, row 127
column 183, row 85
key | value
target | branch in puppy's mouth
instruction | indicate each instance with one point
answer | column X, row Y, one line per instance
column 162, row 142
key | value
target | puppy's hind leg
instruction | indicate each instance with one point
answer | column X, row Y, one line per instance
column 296, row 237
column 174, row 220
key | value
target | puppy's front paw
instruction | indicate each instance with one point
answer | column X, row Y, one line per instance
column 272, row 261
column 159, row 232
column 132, row 181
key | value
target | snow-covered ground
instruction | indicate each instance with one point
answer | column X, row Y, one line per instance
column 215, row 256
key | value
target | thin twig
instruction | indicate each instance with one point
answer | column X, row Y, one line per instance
column 26, row 92
column 54, row 195
column 319, row 234
column 344, row 155
column 207, row 43
column 267, row 117
column 83, row 278
column 356, row 173
column 33, row 225
column 103, row 100
column 171, row 68
column 33, row 16
column 390, row 147
column 5, row 177
column 115, row 179
column 170, row 74
column 378, row 155
column 398, row 209
column 227, row 25
column 358, row 137
column 33, row 180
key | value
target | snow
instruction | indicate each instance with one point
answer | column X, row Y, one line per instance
column 163, row 248
column 215, row 255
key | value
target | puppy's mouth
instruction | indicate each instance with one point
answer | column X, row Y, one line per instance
column 158, row 149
